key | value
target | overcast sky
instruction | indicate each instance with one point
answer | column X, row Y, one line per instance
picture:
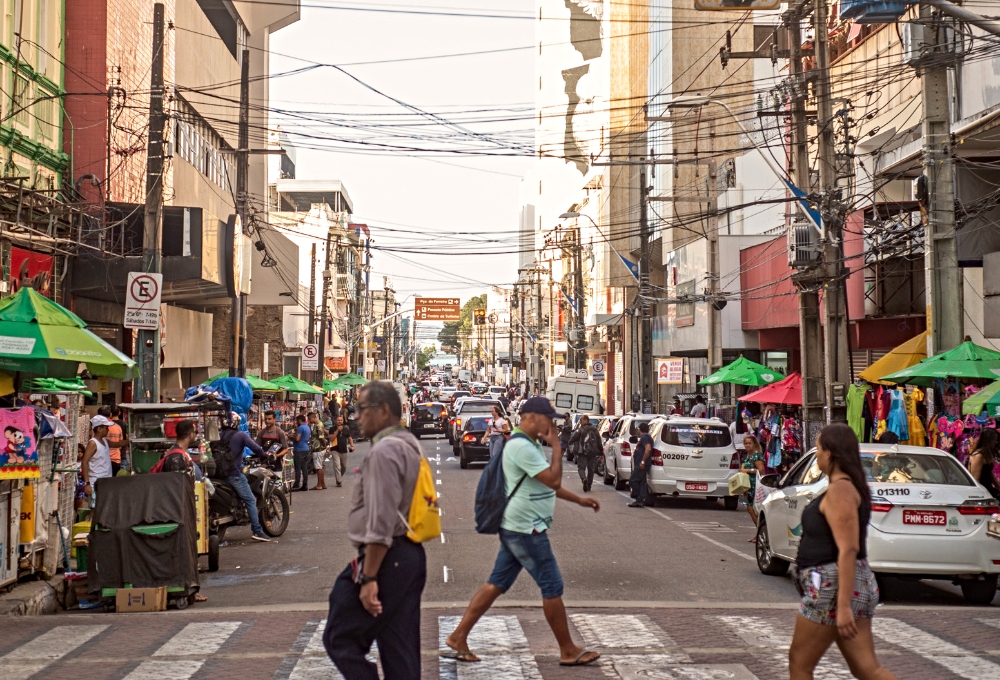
column 437, row 197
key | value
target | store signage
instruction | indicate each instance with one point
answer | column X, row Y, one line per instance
column 142, row 300
column 310, row 357
column 669, row 371
column 29, row 269
column 597, row 369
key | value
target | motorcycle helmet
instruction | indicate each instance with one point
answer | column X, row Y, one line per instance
column 232, row 420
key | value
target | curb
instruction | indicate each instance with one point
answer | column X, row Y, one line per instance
column 33, row 598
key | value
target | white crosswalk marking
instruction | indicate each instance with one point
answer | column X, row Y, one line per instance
column 703, row 527
column 499, row 641
column 772, row 643
column 312, row 662
column 962, row 663
column 628, row 631
column 35, row 655
column 642, row 667
column 995, row 623
column 194, row 639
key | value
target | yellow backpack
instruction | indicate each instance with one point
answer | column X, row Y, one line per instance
column 424, row 522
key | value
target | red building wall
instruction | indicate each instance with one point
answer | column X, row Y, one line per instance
column 769, row 299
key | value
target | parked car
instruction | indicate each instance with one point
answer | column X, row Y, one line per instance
column 693, row 457
column 929, row 518
column 429, row 418
column 469, row 407
column 470, row 449
column 618, row 445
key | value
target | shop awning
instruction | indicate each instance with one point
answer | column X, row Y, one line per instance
column 788, row 391
column 986, row 399
column 744, row 372
column 256, row 384
column 910, row 353
column 968, row 360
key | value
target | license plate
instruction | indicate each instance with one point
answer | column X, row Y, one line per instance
column 696, row 486
column 429, row 426
column 925, row 517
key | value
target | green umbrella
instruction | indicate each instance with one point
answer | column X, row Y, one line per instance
column 338, row 384
column 55, row 385
column 352, row 379
column 41, row 337
column 744, row 372
column 289, row 383
column 987, row 399
column 256, row 384
column 968, row 360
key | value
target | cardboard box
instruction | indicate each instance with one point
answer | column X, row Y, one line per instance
column 129, row 600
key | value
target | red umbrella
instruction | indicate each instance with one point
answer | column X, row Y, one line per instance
column 787, row 391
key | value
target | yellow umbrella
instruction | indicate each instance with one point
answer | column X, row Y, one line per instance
column 910, row 353
column 6, row 383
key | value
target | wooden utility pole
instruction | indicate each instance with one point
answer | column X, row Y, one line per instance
column 238, row 362
column 646, row 323
column 713, row 308
column 324, row 311
column 147, row 383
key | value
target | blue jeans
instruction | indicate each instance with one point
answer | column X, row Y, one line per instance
column 239, row 482
column 531, row 552
column 496, row 442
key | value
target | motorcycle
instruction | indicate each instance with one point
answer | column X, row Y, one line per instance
column 227, row 509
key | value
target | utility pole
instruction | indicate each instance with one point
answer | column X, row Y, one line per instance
column 383, row 353
column 312, row 295
column 147, row 387
column 510, row 337
column 238, row 367
column 580, row 351
column 837, row 354
column 714, row 312
column 943, row 277
column 646, row 325
column 324, row 308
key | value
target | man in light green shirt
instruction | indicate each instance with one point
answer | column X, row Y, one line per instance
column 533, row 482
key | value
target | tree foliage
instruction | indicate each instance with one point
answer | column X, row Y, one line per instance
column 454, row 332
column 425, row 355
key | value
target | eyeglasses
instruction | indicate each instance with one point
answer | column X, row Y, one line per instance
column 362, row 405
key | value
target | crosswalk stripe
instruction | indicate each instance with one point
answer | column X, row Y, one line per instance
column 995, row 623
column 499, row 641
column 310, row 660
column 38, row 653
column 628, row 631
column 771, row 643
column 957, row 660
column 194, row 639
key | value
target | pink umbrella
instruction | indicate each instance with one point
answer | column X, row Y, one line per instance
column 787, row 391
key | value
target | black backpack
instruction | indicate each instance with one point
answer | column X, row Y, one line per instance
column 592, row 443
column 491, row 493
column 222, row 454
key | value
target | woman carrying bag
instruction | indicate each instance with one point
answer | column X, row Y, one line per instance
column 496, row 432
column 754, row 465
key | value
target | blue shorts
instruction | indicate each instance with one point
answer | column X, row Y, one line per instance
column 532, row 552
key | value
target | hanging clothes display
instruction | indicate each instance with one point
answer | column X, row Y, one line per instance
column 895, row 420
column 918, row 436
column 855, row 409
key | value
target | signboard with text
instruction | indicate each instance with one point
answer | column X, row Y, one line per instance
column 310, row 357
column 142, row 300
column 669, row 371
column 437, row 309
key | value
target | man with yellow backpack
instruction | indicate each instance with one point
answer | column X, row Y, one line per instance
column 393, row 510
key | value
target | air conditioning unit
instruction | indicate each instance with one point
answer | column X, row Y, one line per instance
column 804, row 246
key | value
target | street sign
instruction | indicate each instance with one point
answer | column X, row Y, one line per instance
column 437, row 309
column 493, row 318
column 142, row 300
column 597, row 369
column 381, row 365
column 310, row 357
column 735, row 5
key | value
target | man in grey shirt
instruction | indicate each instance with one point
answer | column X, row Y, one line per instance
column 377, row 597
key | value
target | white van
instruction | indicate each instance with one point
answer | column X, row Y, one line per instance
column 574, row 392
column 464, row 374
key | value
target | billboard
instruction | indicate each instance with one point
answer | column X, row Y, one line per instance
column 669, row 371
column 29, row 269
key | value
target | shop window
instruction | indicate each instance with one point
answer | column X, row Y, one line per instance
column 43, row 118
column 21, row 100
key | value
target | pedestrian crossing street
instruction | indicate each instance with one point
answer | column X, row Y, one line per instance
column 684, row 644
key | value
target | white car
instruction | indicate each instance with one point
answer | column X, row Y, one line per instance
column 693, row 457
column 618, row 446
column 929, row 518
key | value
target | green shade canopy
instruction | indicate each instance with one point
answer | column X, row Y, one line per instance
column 256, row 384
column 289, row 383
column 55, row 385
column 968, row 360
column 744, row 372
column 40, row 337
column 986, row 399
column 351, row 379
column 338, row 384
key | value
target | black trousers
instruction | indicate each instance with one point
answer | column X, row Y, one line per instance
column 303, row 464
column 586, row 465
column 350, row 630
column 637, row 480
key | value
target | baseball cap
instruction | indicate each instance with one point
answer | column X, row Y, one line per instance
column 540, row 405
column 98, row 421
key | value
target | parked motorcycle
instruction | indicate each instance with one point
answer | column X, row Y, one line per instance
column 227, row 509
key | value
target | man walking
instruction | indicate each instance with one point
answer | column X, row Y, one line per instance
column 640, row 467
column 301, row 454
column 587, row 443
column 342, row 444
column 377, row 597
column 272, row 439
column 524, row 541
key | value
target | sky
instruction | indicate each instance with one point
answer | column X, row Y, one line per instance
column 415, row 203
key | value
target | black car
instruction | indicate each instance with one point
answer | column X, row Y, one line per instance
column 470, row 449
column 463, row 411
column 429, row 418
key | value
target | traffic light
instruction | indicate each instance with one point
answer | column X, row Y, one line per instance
column 479, row 317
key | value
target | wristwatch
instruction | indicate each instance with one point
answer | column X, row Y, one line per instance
column 366, row 579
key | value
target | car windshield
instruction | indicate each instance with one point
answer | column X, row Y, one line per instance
column 481, row 407
column 705, row 436
column 633, row 427
column 478, row 423
column 893, row 467
column 431, row 410
column 459, row 394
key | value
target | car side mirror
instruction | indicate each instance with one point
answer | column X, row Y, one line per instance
column 771, row 480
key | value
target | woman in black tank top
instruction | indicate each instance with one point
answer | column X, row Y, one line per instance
column 832, row 554
column 983, row 458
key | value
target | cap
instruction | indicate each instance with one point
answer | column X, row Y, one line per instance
column 98, row 421
column 540, row 405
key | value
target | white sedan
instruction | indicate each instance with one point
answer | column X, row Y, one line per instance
column 929, row 518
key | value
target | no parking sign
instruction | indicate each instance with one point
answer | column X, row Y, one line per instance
column 597, row 369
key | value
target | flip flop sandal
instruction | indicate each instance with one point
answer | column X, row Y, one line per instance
column 466, row 656
column 577, row 662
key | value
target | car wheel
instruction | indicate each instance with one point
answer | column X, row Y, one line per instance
column 463, row 462
column 767, row 561
column 980, row 591
column 620, row 484
column 213, row 552
column 608, row 477
column 731, row 502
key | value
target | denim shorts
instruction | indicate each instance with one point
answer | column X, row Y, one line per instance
column 819, row 587
column 532, row 552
